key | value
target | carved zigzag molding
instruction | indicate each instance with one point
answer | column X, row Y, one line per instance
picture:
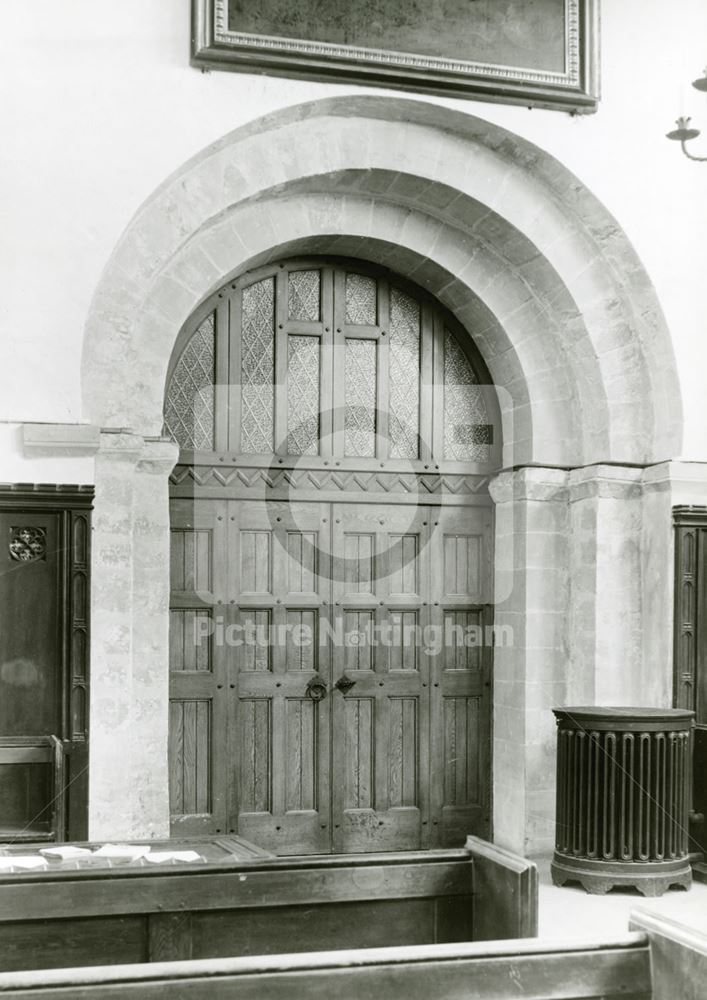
column 324, row 480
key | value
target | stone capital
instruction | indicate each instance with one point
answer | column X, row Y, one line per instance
column 530, row 483
column 158, row 456
column 614, row 482
column 120, row 444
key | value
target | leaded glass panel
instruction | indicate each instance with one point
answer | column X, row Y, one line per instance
column 361, row 300
column 257, row 368
column 302, row 395
column 304, row 296
column 189, row 407
column 360, row 398
column 466, row 430
column 404, row 384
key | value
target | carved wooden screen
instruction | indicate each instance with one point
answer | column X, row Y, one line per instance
column 690, row 660
column 44, row 661
column 310, row 359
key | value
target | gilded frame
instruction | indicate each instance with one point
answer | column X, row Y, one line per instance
column 576, row 90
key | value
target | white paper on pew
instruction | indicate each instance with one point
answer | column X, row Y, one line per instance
column 121, row 852
column 65, row 852
column 160, row 857
column 23, row 861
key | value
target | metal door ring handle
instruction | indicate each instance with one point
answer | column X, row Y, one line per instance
column 316, row 689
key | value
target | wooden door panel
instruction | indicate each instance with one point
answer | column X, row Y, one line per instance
column 280, row 735
column 462, row 584
column 381, row 602
column 198, row 709
column 31, row 641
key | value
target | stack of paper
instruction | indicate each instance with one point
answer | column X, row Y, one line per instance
column 121, row 852
column 65, row 852
column 160, row 857
column 27, row 862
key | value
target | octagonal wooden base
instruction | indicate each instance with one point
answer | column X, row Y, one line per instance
column 652, row 878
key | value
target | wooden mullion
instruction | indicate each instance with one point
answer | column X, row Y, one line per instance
column 326, row 365
column 687, row 577
column 699, row 664
column 383, row 374
column 426, row 382
column 281, row 348
column 221, row 388
column 437, row 388
column 339, row 363
column 436, row 664
column 65, row 589
column 233, row 355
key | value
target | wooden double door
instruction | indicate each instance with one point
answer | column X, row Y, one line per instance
column 330, row 667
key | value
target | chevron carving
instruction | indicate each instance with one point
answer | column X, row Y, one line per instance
column 326, row 480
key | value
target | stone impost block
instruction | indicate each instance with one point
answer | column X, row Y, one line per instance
column 158, row 456
column 530, row 483
column 605, row 482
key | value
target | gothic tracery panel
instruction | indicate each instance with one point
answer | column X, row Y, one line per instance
column 189, row 407
column 360, row 398
column 361, row 300
column 304, row 296
column 404, row 375
column 303, row 395
column 316, row 349
column 466, row 428
column 258, row 368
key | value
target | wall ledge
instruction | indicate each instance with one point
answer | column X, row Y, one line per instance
column 60, row 439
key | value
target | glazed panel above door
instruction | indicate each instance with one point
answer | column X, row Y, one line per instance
column 317, row 361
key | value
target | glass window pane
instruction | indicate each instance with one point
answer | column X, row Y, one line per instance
column 360, row 397
column 304, row 296
column 404, row 377
column 467, row 434
column 361, row 300
column 257, row 368
column 302, row 395
column 189, row 407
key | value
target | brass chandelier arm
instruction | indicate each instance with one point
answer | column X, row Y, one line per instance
column 684, row 133
column 691, row 156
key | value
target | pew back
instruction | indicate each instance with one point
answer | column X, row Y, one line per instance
column 259, row 905
column 503, row 970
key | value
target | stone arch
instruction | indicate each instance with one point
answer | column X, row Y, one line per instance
column 525, row 247
column 566, row 321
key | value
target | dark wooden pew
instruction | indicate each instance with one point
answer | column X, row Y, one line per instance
column 236, row 905
column 508, row 970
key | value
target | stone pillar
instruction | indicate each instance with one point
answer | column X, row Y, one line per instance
column 151, row 587
column 584, row 579
column 128, row 794
column 532, row 599
column 605, row 658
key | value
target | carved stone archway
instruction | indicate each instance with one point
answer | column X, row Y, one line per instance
column 567, row 323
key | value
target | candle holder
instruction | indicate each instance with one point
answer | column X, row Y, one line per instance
column 683, row 133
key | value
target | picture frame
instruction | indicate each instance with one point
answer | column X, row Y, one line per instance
column 491, row 50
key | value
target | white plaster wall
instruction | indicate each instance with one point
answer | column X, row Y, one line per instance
column 98, row 105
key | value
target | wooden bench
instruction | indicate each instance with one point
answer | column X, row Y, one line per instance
column 678, row 956
column 500, row 971
column 233, row 906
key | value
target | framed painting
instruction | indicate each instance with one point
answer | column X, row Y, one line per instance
column 541, row 53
